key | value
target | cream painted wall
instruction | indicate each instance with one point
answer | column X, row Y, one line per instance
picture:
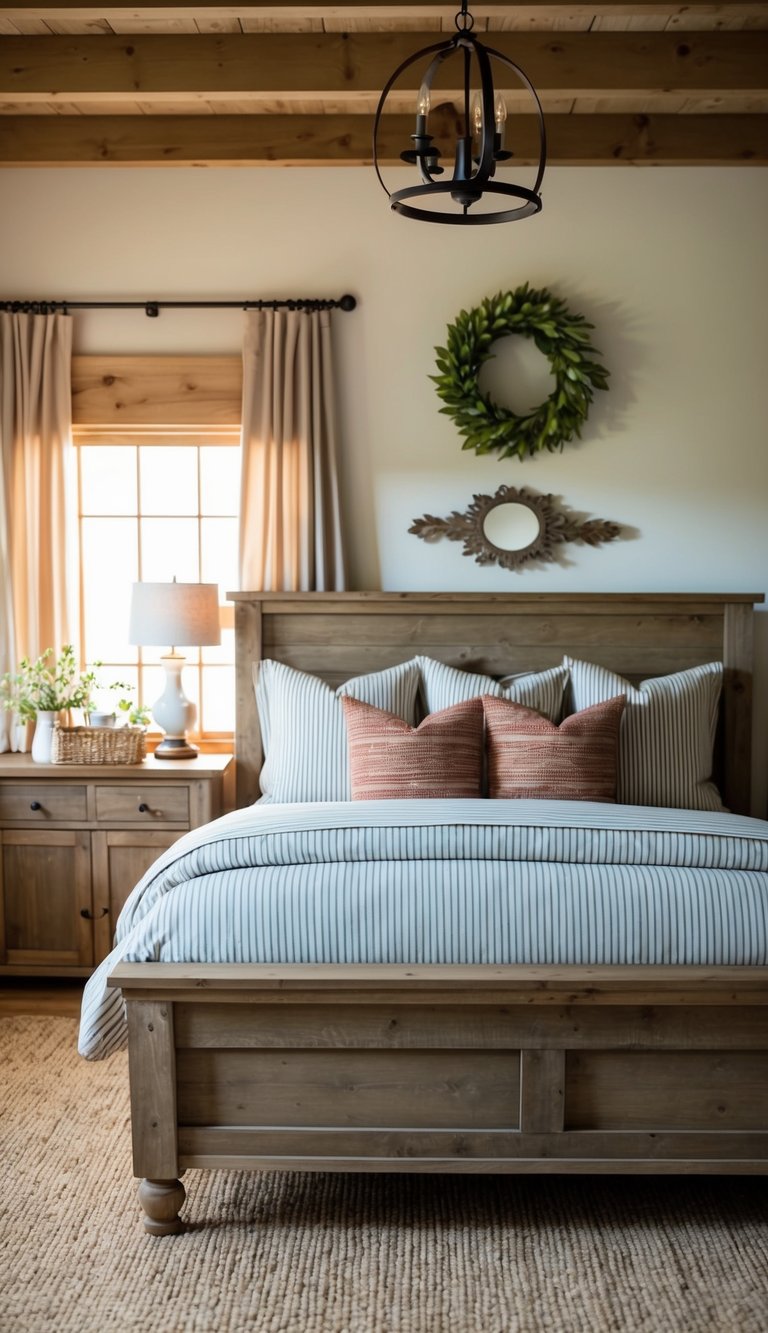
column 671, row 267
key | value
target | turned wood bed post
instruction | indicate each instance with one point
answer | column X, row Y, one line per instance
column 152, row 1074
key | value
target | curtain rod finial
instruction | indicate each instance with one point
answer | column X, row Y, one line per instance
column 348, row 302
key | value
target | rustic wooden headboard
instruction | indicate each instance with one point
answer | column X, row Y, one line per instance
column 338, row 635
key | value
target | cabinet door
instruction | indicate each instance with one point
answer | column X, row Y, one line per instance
column 45, row 898
column 119, row 861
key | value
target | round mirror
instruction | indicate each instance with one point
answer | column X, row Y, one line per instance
column 511, row 526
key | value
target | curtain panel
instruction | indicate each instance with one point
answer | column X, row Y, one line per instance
column 290, row 521
column 38, row 513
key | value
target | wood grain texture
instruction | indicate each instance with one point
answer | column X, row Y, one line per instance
column 513, row 1027
column 142, row 802
column 425, row 1088
column 294, row 10
column 542, row 1091
column 146, row 391
column 46, row 882
column 336, row 64
column 691, row 1090
column 445, row 984
column 40, row 803
column 152, row 1073
column 345, row 140
column 249, row 637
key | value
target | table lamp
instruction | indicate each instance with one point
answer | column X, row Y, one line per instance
column 175, row 613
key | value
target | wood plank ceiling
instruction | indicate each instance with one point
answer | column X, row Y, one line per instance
column 295, row 84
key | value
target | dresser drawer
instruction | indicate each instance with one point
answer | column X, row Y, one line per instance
column 142, row 803
column 41, row 803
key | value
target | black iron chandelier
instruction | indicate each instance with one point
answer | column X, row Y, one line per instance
column 480, row 139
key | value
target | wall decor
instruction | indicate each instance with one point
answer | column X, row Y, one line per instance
column 560, row 335
column 513, row 528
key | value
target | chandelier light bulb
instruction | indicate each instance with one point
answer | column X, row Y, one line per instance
column 500, row 113
column 477, row 115
column 424, row 100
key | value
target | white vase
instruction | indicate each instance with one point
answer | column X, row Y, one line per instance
column 43, row 737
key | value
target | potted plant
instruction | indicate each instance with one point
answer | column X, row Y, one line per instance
column 38, row 691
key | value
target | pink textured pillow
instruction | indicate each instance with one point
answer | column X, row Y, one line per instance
column 388, row 759
column 528, row 756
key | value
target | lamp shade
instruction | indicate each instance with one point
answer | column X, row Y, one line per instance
column 179, row 614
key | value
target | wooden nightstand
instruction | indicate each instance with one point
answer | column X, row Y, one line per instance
column 75, row 838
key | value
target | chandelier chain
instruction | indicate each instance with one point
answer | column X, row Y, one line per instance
column 463, row 19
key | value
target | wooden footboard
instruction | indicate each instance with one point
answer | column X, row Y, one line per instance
column 379, row 1068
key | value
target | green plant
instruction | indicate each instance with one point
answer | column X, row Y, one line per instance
column 563, row 339
column 49, row 684
column 138, row 715
column 55, row 684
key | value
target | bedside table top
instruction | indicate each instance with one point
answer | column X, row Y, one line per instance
column 206, row 765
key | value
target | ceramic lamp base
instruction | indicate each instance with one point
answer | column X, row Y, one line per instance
column 175, row 747
column 174, row 712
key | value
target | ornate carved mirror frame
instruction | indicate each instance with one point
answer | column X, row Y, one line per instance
column 555, row 527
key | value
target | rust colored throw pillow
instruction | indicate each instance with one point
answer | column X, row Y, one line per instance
column 528, row 756
column 389, row 760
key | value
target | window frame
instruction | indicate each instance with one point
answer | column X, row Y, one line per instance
column 210, row 742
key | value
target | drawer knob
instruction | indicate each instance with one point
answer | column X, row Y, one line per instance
column 92, row 916
column 145, row 809
column 35, row 805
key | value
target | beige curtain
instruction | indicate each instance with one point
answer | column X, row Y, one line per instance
column 37, row 494
column 290, row 524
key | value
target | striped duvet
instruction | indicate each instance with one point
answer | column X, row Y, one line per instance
column 445, row 881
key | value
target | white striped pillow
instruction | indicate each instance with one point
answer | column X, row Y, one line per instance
column 443, row 686
column 302, row 726
column 667, row 732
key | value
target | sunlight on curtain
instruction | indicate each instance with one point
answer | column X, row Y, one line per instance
column 38, row 513
column 290, row 523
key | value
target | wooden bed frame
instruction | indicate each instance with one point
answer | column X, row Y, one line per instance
column 411, row 1068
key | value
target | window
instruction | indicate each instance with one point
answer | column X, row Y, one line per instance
column 154, row 504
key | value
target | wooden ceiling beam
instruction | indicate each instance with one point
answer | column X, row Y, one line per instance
column 379, row 8
column 544, row 9
column 335, row 65
column 583, row 140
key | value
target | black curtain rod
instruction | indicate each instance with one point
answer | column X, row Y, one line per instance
column 152, row 308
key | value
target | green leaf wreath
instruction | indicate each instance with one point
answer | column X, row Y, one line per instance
column 562, row 337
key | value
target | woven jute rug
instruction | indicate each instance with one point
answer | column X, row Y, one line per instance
column 344, row 1253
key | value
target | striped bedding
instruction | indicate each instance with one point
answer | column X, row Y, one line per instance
column 445, row 881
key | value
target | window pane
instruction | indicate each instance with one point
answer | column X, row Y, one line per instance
column 218, row 699
column 168, row 479
column 219, row 562
column 169, row 546
column 108, row 479
column 219, row 479
column 109, row 569
column 224, row 653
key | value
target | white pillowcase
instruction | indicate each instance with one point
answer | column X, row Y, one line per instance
column 667, row 732
column 443, row 686
column 303, row 732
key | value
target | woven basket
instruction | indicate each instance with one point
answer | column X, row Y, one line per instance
column 97, row 745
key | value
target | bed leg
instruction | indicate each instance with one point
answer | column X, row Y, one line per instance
column 162, row 1201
